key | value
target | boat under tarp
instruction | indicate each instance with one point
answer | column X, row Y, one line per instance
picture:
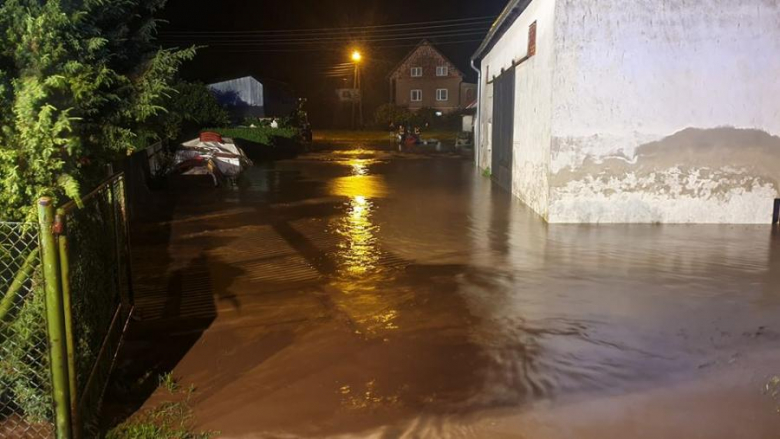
column 211, row 154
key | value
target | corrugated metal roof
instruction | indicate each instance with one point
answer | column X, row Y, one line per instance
column 247, row 90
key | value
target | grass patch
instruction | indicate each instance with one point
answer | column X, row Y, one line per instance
column 168, row 382
column 262, row 135
column 168, row 420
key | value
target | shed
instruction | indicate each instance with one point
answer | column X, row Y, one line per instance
column 242, row 96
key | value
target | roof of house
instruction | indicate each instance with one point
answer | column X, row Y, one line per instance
column 500, row 26
column 425, row 42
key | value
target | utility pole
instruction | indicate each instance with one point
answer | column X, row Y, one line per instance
column 357, row 101
column 360, row 96
column 354, row 87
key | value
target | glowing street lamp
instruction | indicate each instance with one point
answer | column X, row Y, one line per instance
column 356, row 56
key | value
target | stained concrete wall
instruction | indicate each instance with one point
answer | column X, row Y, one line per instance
column 665, row 111
column 533, row 103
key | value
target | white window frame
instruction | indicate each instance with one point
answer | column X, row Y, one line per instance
column 417, row 72
column 442, row 97
column 442, row 71
column 418, row 93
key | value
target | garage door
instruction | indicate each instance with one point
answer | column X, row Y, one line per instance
column 503, row 127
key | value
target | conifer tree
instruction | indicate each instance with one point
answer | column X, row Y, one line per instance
column 81, row 83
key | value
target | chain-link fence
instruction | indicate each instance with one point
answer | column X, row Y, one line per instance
column 94, row 245
column 65, row 300
column 25, row 379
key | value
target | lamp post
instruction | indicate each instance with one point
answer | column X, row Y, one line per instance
column 357, row 102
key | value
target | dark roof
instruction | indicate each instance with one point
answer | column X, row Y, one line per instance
column 500, row 26
column 423, row 43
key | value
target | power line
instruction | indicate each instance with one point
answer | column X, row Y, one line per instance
column 336, row 32
column 415, row 32
column 399, row 32
column 420, row 31
column 337, row 29
column 305, row 41
column 325, row 49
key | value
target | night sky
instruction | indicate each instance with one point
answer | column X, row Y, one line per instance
column 300, row 43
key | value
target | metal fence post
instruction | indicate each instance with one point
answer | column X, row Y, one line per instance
column 55, row 320
column 67, row 304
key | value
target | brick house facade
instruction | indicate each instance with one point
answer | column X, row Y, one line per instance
column 426, row 78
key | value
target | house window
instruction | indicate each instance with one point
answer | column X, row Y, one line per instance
column 442, row 94
column 416, row 95
column 442, row 71
column 416, row 72
column 532, row 39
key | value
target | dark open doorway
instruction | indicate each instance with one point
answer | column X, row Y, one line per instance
column 503, row 127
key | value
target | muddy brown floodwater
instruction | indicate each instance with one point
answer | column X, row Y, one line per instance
column 363, row 293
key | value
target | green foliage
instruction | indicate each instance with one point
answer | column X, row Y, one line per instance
column 263, row 135
column 391, row 113
column 191, row 107
column 168, row 382
column 423, row 117
column 81, row 83
column 169, row 420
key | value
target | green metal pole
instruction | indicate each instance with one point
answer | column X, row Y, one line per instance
column 62, row 239
column 55, row 320
column 21, row 277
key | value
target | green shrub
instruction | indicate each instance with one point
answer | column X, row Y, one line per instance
column 391, row 113
column 191, row 106
column 423, row 117
column 263, row 135
column 82, row 83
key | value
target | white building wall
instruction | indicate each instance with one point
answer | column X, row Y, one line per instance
column 665, row 111
column 485, row 120
column 533, row 102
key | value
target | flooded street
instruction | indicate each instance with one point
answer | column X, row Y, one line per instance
column 365, row 293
